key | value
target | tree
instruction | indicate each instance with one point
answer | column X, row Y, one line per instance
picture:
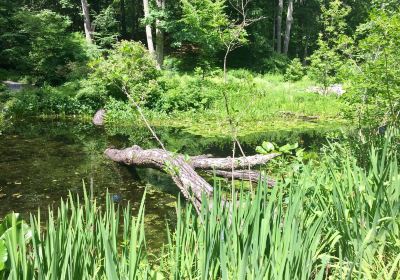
column 50, row 50
column 289, row 21
column 106, row 28
column 279, row 27
column 149, row 32
column 86, row 21
column 123, row 19
column 374, row 96
column 333, row 45
column 160, row 34
column 128, row 67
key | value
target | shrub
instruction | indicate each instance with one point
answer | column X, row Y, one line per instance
column 46, row 101
column 127, row 67
column 276, row 63
column 374, row 90
column 295, row 71
column 333, row 45
column 119, row 112
column 186, row 93
column 53, row 51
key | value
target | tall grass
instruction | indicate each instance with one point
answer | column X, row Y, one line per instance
column 79, row 241
column 334, row 220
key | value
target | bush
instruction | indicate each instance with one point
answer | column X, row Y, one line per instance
column 46, row 101
column 186, row 93
column 127, row 67
column 295, row 71
column 374, row 90
column 120, row 112
column 276, row 63
column 52, row 51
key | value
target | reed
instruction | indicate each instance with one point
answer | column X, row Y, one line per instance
column 333, row 220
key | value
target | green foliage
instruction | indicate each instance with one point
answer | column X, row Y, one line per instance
column 335, row 216
column 295, row 71
column 47, row 101
column 119, row 112
column 80, row 241
column 333, row 45
column 11, row 226
column 186, row 93
column 49, row 52
column 128, row 67
column 276, row 63
column 106, row 27
column 203, row 22
column 374, row 92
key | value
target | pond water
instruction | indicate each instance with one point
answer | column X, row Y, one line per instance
column 42, row 161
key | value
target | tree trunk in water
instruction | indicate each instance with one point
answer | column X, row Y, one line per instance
column 86, row 20
column 289, row 21
column 160, row 36
column 182, row 170
column 123, row 19
column 192, row 186
column 279, row 27
column 149, row 34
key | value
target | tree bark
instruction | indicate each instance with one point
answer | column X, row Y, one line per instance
column 192, row 186
column 182, row 170
column 86, row 22
column 305, row 55
column 279, row 27
column 160, row 36
column 149, row 33
column 206, row 163
column 245, row 175
column 289, row 21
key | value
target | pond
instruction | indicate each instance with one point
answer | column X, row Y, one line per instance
column 42, row 161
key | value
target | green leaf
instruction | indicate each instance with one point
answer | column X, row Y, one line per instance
column 268, row 146
column 260, row 150
column 3, row 255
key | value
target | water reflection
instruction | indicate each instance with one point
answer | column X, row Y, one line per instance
column 41, row 161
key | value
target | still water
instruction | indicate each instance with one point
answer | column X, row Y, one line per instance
column 42, row 161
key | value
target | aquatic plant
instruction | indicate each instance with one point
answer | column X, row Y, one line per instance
column 334, row 220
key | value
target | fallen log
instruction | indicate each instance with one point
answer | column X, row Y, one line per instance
column 245, row 175
column 205, row 163
column 182, row 169
column 192, row 186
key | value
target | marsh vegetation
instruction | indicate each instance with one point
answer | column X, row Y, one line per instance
column 315, row 82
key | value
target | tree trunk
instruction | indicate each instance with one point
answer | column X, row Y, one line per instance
column 149, row 34
column 86, row 20
column 279, row 27
column 134, row 18
column 192, row 186
column 289, row 21
column 305, row 55
column 274, row 29
column 160, row 36
column 123, row 19
column 245, row 175
column 182, row 170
